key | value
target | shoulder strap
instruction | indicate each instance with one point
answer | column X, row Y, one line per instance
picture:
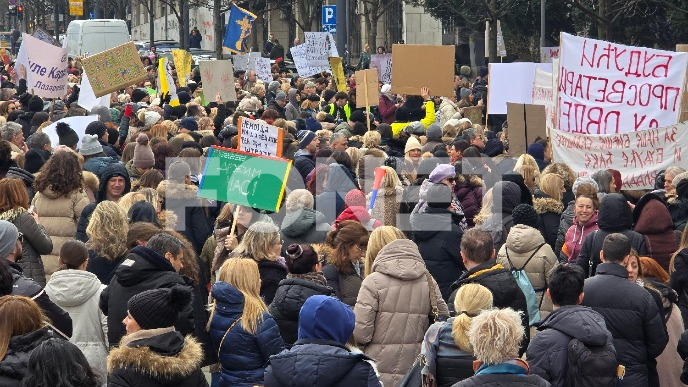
column 532, row 255
column 433, row 295
column 592, row 256
column 225, row 335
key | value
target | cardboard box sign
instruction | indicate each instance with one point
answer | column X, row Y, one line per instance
column 526, row 123
column 473, row 113
column 366, row 86
column 416, row 66
column 114, row 69
column 218, row 77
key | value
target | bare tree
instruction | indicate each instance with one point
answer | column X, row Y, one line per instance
column 373, row 10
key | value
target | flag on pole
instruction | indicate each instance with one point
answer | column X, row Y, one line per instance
column 239, row 28
column 166, row 82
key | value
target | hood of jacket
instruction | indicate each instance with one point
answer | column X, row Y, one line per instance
column 615, row 213
column 545, row 204
column 339, row 179
column 69, row 288
column 112, row 170
column 168, row 357
column 523, row 239
column 426, row 225
column 651, row 216
column 140, row 265
column 168, row 189
column 508, row 194
column 131, row 170
column 292, row 96
column 15, row 363
column 357, row 213
column 400, row 259
column 229, row 299
column 297, row 223
column 326, row 318
column 578, row 321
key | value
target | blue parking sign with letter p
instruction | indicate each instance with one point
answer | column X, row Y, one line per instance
column 329, row 15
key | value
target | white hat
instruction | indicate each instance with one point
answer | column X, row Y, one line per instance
column 386, row 88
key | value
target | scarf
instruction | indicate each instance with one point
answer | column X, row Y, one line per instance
column 514, row 367
column 316, row 277
column 11, row 215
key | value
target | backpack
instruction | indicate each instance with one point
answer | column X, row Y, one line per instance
column 526, row 287
column 591, row 365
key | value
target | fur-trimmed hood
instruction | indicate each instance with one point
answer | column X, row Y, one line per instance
column 163, row 354
column 91, row 181
column 544, row 205
column 168, row 189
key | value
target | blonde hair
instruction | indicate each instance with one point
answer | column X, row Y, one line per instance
column 390, row 181
column 204, row 123
column 371, row 139
column 258, row 241
column 129, row 199
column 170, row 126
column 159, row 131
column 485, row 209
column 550, row 184
column 150, row 195
column 496, row 335
column 324, row 133
column 299, row 199
column 531, row 176
column 354, row 154
column 185, row 136
column 243, row 275
column 470, row 300
column 107, row 230
column 564, row 171
column 526, row 159
column 378, row 239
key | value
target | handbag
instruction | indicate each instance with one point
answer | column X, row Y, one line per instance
column 225, row 335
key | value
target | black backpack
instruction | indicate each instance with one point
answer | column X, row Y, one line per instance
column 590, row 365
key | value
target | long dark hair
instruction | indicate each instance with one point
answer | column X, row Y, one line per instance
column 59, row 363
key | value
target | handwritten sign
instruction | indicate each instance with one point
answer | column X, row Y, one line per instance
column 638, row 155
column 218, row 77
column 338, row 73
column 610, row 88
column 114, row 69
column 542, row 95
column 303, row 67
column 182, row 62
column 257, row 137
column 262, row 69
column 320, row 46
column 383, row 64
column 548, row 53
column 45, row 37
column 45, row 66
column 237, row 177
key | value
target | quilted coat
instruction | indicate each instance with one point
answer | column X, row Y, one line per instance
column 36, row 242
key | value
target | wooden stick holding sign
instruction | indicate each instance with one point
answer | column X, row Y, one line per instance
column 366, row 90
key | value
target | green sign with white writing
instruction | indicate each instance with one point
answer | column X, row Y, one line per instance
column 243, row 178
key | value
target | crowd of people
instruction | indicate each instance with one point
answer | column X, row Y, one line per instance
column 462, row 265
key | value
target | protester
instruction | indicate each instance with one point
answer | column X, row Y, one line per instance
column 114, row 183
column 585, row 212
column 301, row 223
column 343, row 270
column 548, row 204
column 652, row 219
column 107, row 234
column 59, row 362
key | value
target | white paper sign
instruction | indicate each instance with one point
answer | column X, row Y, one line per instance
column 77, row 123
column 611, row 88
column 257, row 137
column 263, row 69
column 240, row 62
column 217, row 76
column 511, row 82
column 320, row 46
column 543, row 95
column 638, row 156
column 303, row 66
column 383, row 64
column 87, row 98
column 46, row 67
column 548, row 53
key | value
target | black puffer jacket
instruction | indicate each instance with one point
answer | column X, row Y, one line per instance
column 504, row 289
column 615, row 216
column 14, row 366
column 112, row 170
column 36, row 242
column 271, row 273
column 193, row 212
column 549, row 210
column 631, row 315
column 287, row 303
column 319, row 362
column 679, row 282
column 144, row 269
column 506, row 196
column 548, row 351
column 303, row 226
column 503, row 380
column 438, row 238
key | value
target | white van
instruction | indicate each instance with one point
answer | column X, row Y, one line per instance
column 89, row 37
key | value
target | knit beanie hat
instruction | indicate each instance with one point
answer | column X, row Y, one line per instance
column 313, row 97
column 143, row 154
column 103, row 113
column 96, row 127
column 305, row 137
column 159, row 308
column 312, row 124
column 178, row 171
column 357, row 116
column 465, row 92
column 280, row 96
column 415, row 127
column 442, row 171
column 183, row 97
column 439, row 196
column 355, row 198
column 35, row 104
column 115, row 114
column 33, row 161
column 537, row 151
column 138, row 94
column 402, row 114
column 493, row 148
column 526, row 214
column 411, row 144
column 67, row 135
column 272, row 86
column 189, row 123
column 434, row 132
column 151, row 118
column 8, row 238
column 90, row 145
column 328, row 95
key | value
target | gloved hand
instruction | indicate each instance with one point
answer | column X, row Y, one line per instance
column 128, row 111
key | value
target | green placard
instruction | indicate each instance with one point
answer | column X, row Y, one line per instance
column 243, row 178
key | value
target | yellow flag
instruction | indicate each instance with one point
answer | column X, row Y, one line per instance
column 166, row 82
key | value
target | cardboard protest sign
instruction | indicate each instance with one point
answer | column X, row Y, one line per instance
column 182, row 63
column 319, row 47
column 240, row 62
column 241, row 178
column 511, row 82
column 543, row 95
column 383, row 64
column 263, row 69
column 88, row 99
column 474, row 113
column 639, row 156
column 257, row 137
column 303, row 67
column 366, row 88
column 114, row 69
column 526, row 123
column 45, row 67
column 410, row 72
column 338, row 73
column 218, row 77
column 611, row 88
column 78, row 123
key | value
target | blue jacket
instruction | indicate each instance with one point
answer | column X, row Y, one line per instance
column 243, row 356
column 97, row 165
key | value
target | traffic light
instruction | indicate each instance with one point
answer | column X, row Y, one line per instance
column 20, row 12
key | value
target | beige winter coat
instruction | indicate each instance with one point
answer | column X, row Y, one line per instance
column 59, row 215
column 522, row 242
column 392, row 309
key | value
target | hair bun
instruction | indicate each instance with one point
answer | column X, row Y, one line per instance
column 294, row 251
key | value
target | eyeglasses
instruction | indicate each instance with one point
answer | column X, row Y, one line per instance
column 361, row 250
